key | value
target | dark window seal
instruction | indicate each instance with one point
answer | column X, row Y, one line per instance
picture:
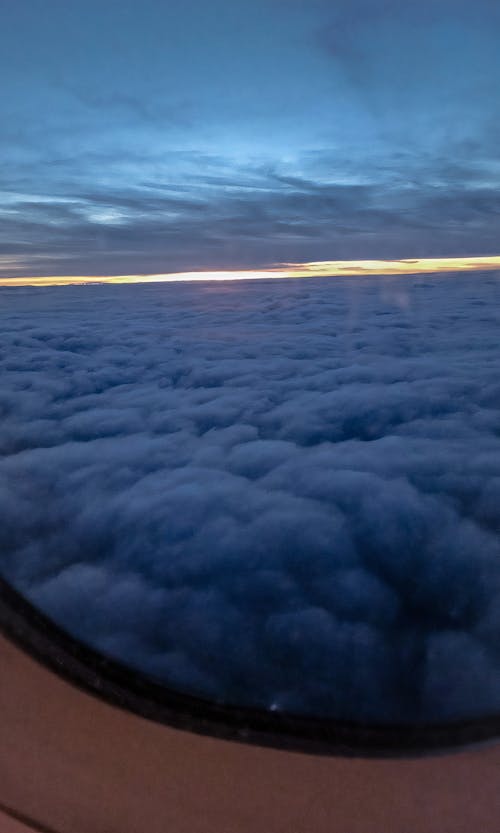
column 125, row 688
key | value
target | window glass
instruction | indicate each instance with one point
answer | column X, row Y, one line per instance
column 250, row 305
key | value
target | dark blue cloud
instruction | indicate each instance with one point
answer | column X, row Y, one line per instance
column 278, row 493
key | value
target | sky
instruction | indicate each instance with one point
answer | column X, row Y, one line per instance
column 153, row 137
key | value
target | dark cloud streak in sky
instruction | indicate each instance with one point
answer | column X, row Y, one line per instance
column 284, row 219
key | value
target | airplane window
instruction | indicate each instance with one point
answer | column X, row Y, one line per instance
column 250, row 303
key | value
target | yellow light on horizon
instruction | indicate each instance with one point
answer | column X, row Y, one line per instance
column 317, row 269
column 409, row 266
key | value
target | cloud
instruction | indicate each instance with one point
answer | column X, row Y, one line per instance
column 254, row 218
column 284, row 495
column 369, row 38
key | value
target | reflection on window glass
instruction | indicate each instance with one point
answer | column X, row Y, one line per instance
column 264, row 467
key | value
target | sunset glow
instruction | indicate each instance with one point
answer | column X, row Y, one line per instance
column 319, row 269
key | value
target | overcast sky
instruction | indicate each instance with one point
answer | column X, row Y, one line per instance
column 150, row 136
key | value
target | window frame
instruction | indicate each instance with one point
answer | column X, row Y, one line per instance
column 124, row 687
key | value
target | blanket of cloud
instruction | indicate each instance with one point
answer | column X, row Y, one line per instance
column 277, row 493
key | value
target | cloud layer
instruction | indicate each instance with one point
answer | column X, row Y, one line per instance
column 284, row 494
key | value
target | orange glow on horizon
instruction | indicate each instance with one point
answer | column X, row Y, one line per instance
column 323, row 269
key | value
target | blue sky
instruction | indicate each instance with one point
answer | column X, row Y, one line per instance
column 192, row 135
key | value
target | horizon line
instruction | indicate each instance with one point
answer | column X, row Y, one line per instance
column 311, row 269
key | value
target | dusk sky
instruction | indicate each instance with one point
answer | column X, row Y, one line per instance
column 160, row 137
